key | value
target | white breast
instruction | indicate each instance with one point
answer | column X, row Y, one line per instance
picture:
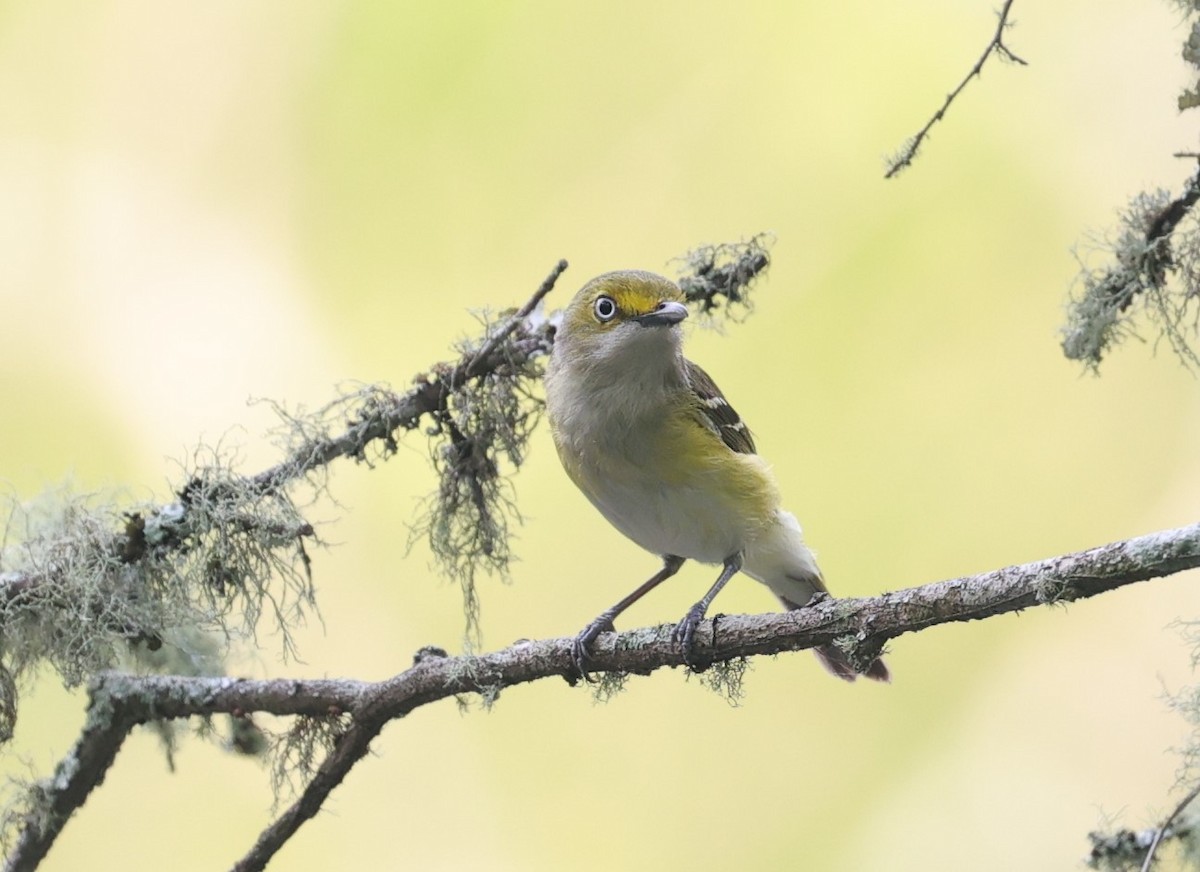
column 607, row 418
column 685, row 520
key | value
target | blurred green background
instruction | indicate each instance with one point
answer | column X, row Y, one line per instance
column 210, row 202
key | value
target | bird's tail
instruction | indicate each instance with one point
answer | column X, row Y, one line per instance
column 780, row 560
column 835, row 660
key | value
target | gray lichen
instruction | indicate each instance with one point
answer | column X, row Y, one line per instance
column 476, row 443
column 1153, row 272
column 717, row 279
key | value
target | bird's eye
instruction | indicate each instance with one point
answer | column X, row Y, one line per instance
column 604, row 308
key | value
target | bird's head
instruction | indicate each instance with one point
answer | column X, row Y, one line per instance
column 626, row 314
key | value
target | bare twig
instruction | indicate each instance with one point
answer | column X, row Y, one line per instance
column 860, row 626
column 996, row 46
column 518, row 318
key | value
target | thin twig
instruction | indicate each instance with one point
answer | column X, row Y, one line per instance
column 1161, row 831
column 861, row 626
column 351, row 747
column 515, row 321
column 997, row 47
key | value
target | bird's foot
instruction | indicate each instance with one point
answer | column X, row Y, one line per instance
column 580, row 655
column 684, row 635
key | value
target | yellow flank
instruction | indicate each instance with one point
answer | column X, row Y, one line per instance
column 698, row 457
column 672, row 486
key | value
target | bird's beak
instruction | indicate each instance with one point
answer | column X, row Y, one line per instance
column 665, row 314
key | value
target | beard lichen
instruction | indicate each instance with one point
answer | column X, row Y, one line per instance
column 1153, row 270
column 717, row 279
column 476, row 442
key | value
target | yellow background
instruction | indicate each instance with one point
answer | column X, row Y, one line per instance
column 208, row 202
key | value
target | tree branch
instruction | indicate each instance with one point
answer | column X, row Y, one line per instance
column 908, row 152
column 1165, row 827
column 482, row 356
column 382, row 416
column 1144, row 260
column 710, row 273
column 76, row 775
column 432, row 393
column 860, row 626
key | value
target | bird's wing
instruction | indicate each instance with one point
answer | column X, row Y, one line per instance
column 717, row 413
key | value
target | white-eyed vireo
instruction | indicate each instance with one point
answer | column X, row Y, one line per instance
column 651, row 441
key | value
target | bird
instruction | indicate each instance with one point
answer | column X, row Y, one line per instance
column 654, row 445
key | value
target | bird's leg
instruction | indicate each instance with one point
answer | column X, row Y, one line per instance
column 685, row 630
column 604, row 622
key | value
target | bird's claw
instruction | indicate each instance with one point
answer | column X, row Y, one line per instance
column 580, row 656
column 684, row 635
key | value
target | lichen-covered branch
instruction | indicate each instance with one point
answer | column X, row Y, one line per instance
column 720, row 277
column 86, row 584
column 861, row 626
column 1155, row 259
column 81, row 582
column 52, row 802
